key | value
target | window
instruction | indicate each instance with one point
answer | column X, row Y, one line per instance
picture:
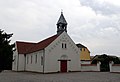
column 81, row 49
column 27, row 59
column 41, row 60
column 64, row 45
column 36, row 58
column 84, row 49
column 31, row 59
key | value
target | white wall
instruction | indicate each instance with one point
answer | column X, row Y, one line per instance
column 90, row 67
column 114, row 67
column 34, row 66
column 54, row 52
column 85, row 62
column 14, row 63
column 18, row 63
column 21, row 62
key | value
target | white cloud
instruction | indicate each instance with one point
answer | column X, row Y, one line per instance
column 95, row 23
column 102, row 6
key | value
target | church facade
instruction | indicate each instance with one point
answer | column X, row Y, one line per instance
column 57, row 53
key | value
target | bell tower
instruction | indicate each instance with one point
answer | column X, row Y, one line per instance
column 61, row 24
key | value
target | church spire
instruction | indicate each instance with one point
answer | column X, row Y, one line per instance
column 61, row 24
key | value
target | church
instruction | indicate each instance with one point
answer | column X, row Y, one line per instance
column 57, row 53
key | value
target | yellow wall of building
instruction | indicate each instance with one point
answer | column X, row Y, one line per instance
column 84, row 54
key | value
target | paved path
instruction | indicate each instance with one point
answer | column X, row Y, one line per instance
column 8, row 76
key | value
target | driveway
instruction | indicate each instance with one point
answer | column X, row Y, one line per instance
column 9, row 76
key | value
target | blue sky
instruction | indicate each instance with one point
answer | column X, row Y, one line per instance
column 94, row 23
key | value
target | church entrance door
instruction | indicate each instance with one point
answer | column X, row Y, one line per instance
column 63, row 66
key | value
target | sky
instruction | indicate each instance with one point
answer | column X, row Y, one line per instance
column 93, row 23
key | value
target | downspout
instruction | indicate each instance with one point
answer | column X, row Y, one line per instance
column 25, row 62
column 18, row 62
column 43, row 60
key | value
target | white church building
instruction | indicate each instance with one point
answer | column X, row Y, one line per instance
column 57, row 53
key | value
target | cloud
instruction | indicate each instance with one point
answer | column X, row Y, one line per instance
column 89, row 22
column 26, row 18
column 102, row 6
column 101, row 33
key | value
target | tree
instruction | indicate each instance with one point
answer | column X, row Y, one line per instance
column 6, row 50
column 105, row 59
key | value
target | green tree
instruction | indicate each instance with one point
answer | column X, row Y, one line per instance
column 6, row 51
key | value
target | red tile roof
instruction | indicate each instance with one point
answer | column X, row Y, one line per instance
column 26, row 47
column 22, row 47
column 42, row 44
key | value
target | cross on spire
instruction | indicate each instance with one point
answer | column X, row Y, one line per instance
column 61, row 11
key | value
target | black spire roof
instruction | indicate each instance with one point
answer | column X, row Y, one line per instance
column 61, row 24
column 62, row 19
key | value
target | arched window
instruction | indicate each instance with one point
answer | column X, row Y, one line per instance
column 64, row 57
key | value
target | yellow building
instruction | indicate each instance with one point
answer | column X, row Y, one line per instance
column 85, row 53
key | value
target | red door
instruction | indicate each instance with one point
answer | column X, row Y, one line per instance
column 63, row 67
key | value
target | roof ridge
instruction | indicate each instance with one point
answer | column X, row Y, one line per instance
column 26, row 42
column 46, row 38
column 42, row 44
column 81, row 45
